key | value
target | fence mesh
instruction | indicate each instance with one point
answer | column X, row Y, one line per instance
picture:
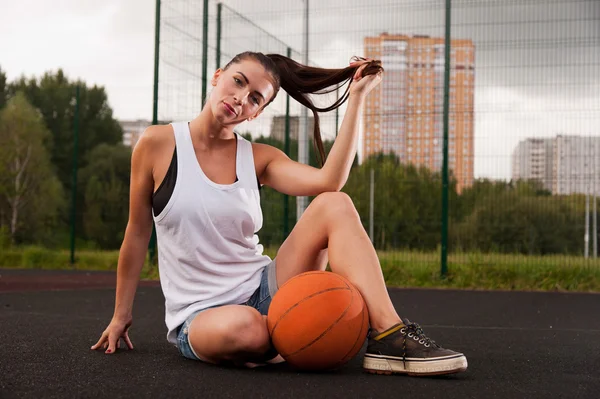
column 523, row 123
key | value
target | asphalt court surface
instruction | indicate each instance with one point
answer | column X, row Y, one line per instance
column 518, row 345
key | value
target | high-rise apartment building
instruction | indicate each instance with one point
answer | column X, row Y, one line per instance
column 576, row 166
column 532, row 159
column 564, row 164
column 404, row 114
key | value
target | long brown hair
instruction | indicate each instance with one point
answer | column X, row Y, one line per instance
column 301, row 80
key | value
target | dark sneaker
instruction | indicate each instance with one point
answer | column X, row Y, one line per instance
column 405, row 349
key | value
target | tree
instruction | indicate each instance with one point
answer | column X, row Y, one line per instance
column 28, row 186
column 105, row 184
column 522, row 220
column 55, row 97
column 407, row 210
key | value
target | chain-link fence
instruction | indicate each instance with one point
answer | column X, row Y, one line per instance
column 523, row 116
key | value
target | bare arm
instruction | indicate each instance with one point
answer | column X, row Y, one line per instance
column 293, row 178
column 339, row 161
column 135, row 244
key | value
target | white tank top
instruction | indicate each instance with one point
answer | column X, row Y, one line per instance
column 208, row 252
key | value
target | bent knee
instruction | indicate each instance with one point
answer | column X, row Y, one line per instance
column 224, row 333
column 334, row 204
column 249, row 333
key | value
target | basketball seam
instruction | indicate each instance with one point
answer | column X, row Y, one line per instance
column 303, row 300
column 360, row 333
column 324, row 332
column 347, row 286
column 307, row 274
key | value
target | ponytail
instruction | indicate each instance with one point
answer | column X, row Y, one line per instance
column 301, row 80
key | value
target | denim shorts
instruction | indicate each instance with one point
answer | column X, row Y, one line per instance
column 260, row 300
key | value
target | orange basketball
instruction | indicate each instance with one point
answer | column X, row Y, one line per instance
column 318, row 321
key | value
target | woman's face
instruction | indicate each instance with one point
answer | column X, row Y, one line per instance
column 241, row 92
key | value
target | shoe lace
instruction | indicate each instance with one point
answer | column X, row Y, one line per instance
column 415, row 332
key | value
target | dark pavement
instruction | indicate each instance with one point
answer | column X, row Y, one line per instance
column 519, row 345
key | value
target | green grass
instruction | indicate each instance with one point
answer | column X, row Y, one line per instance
column 400, row 268
column 492, row 271
column 33, row 257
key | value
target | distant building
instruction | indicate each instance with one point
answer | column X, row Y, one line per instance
column 533, row 160
column 404, row 114
column 278, row 127
column 564, row 164
column 576, row 167
column 132, row 130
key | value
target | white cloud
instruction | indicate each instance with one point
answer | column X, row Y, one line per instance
column 108, row 43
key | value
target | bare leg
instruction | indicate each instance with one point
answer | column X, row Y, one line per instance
column 232, row 333
column 331, row 222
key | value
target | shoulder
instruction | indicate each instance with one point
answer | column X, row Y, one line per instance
column 154, row 140
column 266, row 150
column 155, row 137
column 265, row 153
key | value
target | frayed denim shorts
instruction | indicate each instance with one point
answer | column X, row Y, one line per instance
column 260, row 300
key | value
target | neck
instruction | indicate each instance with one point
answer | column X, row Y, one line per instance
column 208, row 130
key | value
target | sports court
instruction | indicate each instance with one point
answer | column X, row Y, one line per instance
column 518, row 344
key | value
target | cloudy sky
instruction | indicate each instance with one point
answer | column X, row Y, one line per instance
column 537, row 61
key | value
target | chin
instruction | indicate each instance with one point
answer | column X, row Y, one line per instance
column 226, row 120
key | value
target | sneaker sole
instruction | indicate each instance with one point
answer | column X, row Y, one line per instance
column 379, row 364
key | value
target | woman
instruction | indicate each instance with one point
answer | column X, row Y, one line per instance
column 200, row 181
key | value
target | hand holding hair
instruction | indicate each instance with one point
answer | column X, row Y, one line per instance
column 299, row 81
column 367, row 76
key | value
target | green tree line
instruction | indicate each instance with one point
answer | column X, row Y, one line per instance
column 36, row 162
column 490, row 216
column 37, row 117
